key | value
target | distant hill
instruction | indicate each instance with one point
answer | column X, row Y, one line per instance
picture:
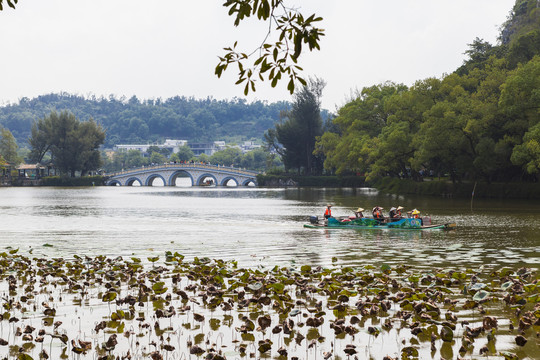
column 135, row 121
column 519, row 39
column 524, row 19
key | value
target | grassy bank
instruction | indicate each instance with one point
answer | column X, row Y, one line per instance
column 460, row 190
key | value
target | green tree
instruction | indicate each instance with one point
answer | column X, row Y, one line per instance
column 185, row 153
column 255, row 159
column 358, row 124
column 295, row 135
column 520, row 99
column 134, row 159
column 527, row 154
column 174, row 158
column 229, row 156
column 73, row 144
column 157, row 158
column 8, row 147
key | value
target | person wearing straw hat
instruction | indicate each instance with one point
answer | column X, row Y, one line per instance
column 395, row 213
column 416, row 215
column 359, row 213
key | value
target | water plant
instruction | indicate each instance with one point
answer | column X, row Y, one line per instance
column 123, row 308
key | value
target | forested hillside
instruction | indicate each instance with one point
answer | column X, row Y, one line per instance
column 135, row 121
column 481, row 122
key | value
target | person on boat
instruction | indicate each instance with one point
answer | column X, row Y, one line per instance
column 377, row 213
column 328, row 212
column 359, row 213
column 395, row 213
column 416, row 215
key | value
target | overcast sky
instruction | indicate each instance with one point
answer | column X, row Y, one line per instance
column 166, row 48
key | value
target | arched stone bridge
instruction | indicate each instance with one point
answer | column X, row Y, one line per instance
column 198, row 173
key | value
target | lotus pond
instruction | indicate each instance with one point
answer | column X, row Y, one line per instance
column 120, row 308
column 170, row 273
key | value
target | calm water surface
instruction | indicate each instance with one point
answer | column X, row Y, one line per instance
column 263, row 227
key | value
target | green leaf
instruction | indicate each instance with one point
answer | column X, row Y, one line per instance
column 447, row 334
column 159, row 287
column 108, row 297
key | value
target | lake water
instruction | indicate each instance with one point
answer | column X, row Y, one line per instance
column 257, row 226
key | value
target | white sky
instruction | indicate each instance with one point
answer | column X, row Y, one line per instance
column 166, row 48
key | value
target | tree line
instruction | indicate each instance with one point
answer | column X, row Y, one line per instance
column 137, row 121
column 481, row 122
column 257, row 159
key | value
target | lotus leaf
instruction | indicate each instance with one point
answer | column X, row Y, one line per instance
column 295, row 312
column 508, row 355
column 507, row 285
column 447, row 334
column 255, row 286
column 477, row 286
column 481, row 295
column 264, row 347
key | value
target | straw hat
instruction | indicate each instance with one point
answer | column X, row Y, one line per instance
column 415, row 212
column 399, row 208
column 359, row 210
column 329, row 205
column 392, row 208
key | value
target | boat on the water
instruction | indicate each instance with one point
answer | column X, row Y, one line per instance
column 370, row 223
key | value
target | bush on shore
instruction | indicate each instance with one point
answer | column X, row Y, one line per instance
column 72, row 181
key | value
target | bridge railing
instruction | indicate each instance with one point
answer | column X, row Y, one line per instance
column 185, row 165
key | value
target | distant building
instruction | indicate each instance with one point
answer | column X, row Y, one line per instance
column 207, row 148
column 172, row 145
column 249, row 145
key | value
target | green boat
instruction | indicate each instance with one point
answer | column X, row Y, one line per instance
column 369, row 223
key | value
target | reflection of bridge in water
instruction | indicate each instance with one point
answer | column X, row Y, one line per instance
column 200, row 175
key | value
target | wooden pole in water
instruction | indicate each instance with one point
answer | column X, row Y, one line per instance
column 472, row 195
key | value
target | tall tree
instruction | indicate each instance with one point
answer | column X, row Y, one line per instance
column 299, row 128
column 8, row 147
column 73, row 144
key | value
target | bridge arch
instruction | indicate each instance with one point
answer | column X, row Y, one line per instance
column 132, row 180
column 114, row 183
column 226, row 180
column 249, row 181
column 175, row 175
column 150, row 179
column 206, row 175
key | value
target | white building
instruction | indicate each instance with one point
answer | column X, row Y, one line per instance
column 173, row 145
